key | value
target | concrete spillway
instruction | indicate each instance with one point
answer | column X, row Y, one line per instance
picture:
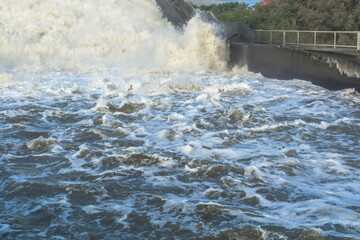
column 178, row 12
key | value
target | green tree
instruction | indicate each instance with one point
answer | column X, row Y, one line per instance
column 330, row 15
column 272, row 16
column 229, row 12
column 322, row 14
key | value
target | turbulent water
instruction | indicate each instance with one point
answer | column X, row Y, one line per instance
column 113, row 125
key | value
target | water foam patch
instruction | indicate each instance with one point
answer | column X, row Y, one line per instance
column 87, row 36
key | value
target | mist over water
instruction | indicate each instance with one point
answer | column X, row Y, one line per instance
column 113, row 125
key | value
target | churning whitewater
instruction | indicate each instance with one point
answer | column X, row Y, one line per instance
column 92, row 34
column 114, row 125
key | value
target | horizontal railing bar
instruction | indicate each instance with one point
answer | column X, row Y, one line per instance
column 307, row 31
column 331, row 45
column 346, row 46
column 310, row 44
column 322, row 45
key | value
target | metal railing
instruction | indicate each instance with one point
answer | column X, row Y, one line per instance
column 332, row 39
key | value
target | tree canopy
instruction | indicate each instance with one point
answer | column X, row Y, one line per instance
column 329, row 15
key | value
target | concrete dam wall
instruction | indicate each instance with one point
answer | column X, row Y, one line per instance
column 332, row 70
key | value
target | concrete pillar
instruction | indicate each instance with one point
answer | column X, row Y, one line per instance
column 284, row 38
column 297, row 38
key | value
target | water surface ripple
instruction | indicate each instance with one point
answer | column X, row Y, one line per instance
column 180, row 156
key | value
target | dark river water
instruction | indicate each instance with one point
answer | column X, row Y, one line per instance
column 177, row 156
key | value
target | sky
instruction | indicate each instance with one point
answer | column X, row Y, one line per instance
column 249, row 2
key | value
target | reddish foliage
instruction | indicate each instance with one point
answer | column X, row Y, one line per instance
column 269, row 2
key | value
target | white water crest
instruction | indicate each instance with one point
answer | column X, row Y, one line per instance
column 86, row 35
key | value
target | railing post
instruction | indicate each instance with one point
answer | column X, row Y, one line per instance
column 298, row 39
column 314, row 39
column 270, row 37
column 334, row 39
column 284, row 38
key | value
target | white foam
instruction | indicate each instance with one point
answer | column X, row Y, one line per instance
column 41, row 142
column 89, row 35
